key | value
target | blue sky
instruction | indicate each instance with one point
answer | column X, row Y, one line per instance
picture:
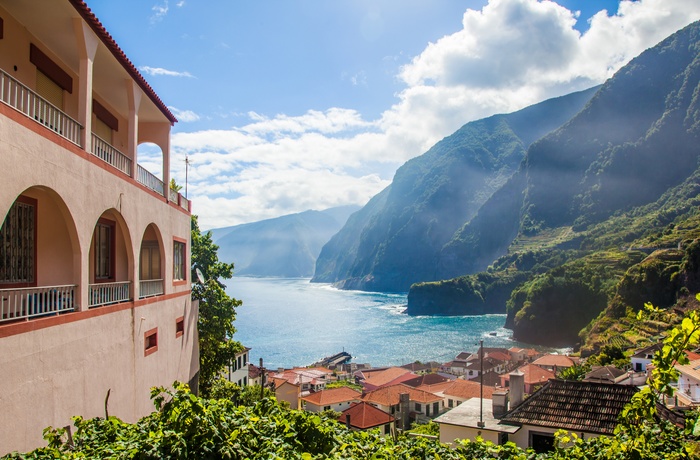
column 289, row 105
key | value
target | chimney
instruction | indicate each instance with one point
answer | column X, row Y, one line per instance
column 347, row 421
column 500, row 403
column 517, row 388
column 403, row 411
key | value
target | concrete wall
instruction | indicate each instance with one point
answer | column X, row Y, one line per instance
column 60, row 366
column 450, row 433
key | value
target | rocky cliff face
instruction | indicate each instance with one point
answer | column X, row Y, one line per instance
column 397, row 239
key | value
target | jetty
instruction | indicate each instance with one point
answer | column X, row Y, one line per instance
column 332, row 361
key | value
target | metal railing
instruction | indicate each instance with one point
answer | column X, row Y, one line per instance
column 149, row 180
column 103, row 150
column 150, row 288
column 26, row 303
column 20, row 97
column 107, row 293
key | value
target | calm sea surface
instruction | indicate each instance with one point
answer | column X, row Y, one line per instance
column 291, row 322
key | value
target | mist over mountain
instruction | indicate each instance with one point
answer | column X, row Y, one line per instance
column 601, row 216
column 397, row 238
column 285, row 246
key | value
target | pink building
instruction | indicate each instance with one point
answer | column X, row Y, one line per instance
column 94, row 249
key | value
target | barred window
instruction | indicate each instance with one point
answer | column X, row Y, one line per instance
column 179, row 258
column 17, row 243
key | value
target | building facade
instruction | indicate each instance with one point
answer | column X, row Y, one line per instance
column 95, row 305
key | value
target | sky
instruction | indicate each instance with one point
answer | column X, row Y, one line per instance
column 290, row 105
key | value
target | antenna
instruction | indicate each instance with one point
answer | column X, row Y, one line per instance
column 187, row 165
column 200, row 275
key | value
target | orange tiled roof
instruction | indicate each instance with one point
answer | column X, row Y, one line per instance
column 466, row 389
column 435, row 388
column 386, row 376
column 333, row 396
column 97, row 27
column 389, row 395
column 500, row 356
column 554, row 360
column 365, row 416
column 535, row 374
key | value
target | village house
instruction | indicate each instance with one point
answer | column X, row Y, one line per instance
column 642, row 358
column 337, row 399
column 95, row 288
column 554, row 362
column 363, row 416
column 373, row 379
column 489, row 365
column 455, row 392
column 419, row 405
column 533, row 377
column 293, row 384
column 474, row 418
column 688, row 390
column 586, row 408
column 237, row 370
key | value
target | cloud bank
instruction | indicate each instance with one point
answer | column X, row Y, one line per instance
column 509, row 54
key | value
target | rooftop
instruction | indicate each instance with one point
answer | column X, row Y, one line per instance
column 550, row 360
column 571, row 405
column 389, row 395
column 468, row 414
column 333, row 396
column 365, row 416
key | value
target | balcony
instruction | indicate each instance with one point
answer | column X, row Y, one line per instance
column 108, row 293
column 23, row 99
column 27, row 303
column 150, row 288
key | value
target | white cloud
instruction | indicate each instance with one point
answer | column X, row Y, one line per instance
column 508, row 55
column 184, row 116
column 156, row 71
column 159, row 11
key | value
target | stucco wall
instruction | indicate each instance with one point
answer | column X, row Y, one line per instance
column 450, row 433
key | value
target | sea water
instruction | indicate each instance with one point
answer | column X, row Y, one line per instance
column 292, row 322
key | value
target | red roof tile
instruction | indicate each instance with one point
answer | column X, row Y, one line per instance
column 466, row 389
column 333, row 396
column 365, row 416
column 389, row 395
column 95, row 24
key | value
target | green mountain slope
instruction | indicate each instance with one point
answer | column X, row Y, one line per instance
column 396, row 240
column 286, row 246
column 600, row 194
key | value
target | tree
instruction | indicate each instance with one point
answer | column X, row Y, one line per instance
column 217, row 311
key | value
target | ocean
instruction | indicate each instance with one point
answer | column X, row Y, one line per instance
column 292, row 322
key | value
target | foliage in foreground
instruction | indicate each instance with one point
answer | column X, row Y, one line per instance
column 187, row 426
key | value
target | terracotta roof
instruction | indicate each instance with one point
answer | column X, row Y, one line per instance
column 499, row 355
column 333, row 396
column 463, row 356
column 387, row 376
column 389, row 395
column 691, row 369
column 365, row 416
column 435, row 388
column 534, row 374
column 95, row 24
column 571, row 405
column 427, row 379
column 554, row 360
column 465, row 389
column 604, row 374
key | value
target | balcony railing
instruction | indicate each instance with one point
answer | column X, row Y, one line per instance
column 172, row 197
column 26, row 303
column 150, row 288
column 103, row 150
column 184, row 203
column 20, row 97
column 108, row 293
column 149, row 180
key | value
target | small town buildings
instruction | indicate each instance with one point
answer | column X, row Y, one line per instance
column 471, row 419
column 237, row 370
column 688, row 392
column 337, row 399
column 587, row 408
column 420, row 404
column 642, row 358
column 554, row 362
column 377, row 378
column 534, row 377
column 489, row 365
column 293, row 384
column 454, row 392
column 363, row 416
column 95, row 288
column 604, row 374
column 425, row 379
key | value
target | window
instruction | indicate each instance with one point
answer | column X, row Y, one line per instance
column 49, row 90
column 102, row 131
column 17, row 243
column 449, row 403
column 179, row 326
column 150, row 339
column 150, row 261
column 179, row 260
column 326, row 407
column 418, row 407
column 104, row 250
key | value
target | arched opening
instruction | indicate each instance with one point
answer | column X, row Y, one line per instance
column 110, row 258
column 39, row 257
column 149, row 170
column 151, row 266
